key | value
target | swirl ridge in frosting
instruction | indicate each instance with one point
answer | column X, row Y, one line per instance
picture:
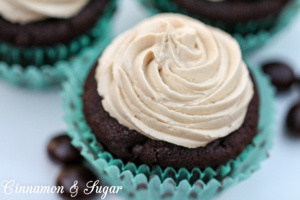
column 27, row 11
column 175, row 79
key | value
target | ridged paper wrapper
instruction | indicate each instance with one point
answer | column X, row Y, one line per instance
column 155, row 183
column 39, row 75
column 250, row 35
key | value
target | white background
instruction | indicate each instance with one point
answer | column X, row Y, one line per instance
column 28, row 119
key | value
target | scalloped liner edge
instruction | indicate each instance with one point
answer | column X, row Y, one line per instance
column 48, row 76
column 250, row 41
column 156, row 183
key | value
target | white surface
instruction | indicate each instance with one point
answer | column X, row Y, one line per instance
column 29, row 119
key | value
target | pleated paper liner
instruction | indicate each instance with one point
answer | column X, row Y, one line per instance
column 40, row 68
column 155, row 183
column 250, row 35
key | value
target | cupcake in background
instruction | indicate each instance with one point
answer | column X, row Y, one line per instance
column 40, row 38
column 170, row 110
column 251, row 22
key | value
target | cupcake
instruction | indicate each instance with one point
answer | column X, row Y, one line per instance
column 251, row 22
column 170, row 110
column 36, row 35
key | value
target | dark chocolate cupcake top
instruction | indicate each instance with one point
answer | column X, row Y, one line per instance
column 175, row 79
column 28, row 11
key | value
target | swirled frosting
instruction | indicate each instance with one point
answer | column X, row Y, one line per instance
column 175, row 79
column 27, row 11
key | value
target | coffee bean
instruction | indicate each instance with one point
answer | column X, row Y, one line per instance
column 72, row 173
column 60, row 150
column 282, row 76
column 293, row 120
column 298, row 81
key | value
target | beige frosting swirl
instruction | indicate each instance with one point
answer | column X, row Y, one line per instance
column 175, row 79
column 27, row 11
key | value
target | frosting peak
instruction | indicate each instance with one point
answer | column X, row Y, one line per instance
column 175, row 79
column 27, row 11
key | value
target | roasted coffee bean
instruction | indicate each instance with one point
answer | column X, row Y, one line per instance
column 293, row 120
column 60, row 150
column 281, row 75
column 74, row 179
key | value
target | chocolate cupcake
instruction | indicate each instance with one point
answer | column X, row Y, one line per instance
column 173, row 99
column 242, row 18
column 39, row 34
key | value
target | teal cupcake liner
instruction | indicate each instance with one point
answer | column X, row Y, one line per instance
column 40, row 55
column 155, row 183
column 249, row 35
column 49, row 76
column 40, row 75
